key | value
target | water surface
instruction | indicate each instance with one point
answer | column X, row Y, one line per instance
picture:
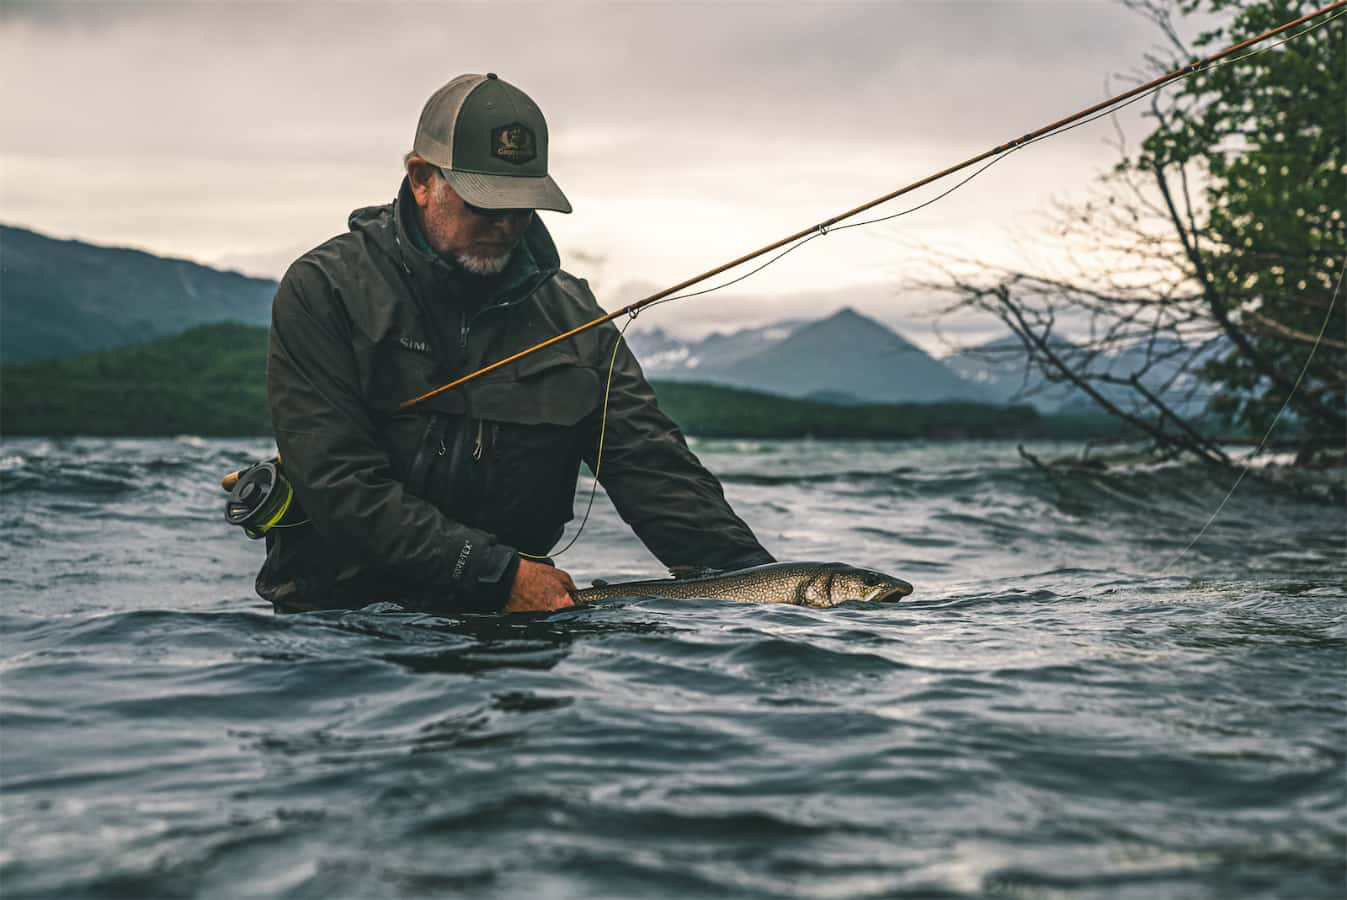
column 1050, row 715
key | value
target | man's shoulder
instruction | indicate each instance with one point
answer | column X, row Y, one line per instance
column 576, row 294
column 339, row 254
column 330, row 257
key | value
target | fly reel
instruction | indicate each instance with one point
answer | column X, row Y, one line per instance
column 262, row 499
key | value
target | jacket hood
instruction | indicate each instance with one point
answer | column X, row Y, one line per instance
column 388, row 228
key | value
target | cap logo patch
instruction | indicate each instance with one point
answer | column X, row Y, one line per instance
column 514, row 143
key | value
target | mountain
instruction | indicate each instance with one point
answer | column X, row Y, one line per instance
column 665, row 356
column 735, row 346
column 999, row 367
column 658, row 350
column 845, row 357
column 59, row 297
column 850, row 354
column 1166, row 368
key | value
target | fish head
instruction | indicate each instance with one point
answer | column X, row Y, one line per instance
column 836, row 583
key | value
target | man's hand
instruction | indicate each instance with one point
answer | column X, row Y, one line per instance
column 539, row 588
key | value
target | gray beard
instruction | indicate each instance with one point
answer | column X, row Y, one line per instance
column 483, row 265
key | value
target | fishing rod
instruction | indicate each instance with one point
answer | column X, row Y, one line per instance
column 995, row 154
column 823, row 227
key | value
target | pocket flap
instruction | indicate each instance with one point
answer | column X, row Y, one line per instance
column 543, row 361
column 545, row 389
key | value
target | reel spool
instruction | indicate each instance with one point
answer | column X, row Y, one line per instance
column 261, row 500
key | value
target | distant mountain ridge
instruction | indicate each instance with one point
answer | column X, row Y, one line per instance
column 843, row 357
column 62, row 297
column 849, row 358
column 1000, row 367
column 678, row 360
column 1165, row 368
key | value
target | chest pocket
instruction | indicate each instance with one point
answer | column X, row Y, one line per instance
column 539, row 421
column 549, row 388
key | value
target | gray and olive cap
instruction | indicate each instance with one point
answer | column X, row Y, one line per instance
column 491, row 141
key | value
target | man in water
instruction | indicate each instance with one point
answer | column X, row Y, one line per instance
column 454, row 504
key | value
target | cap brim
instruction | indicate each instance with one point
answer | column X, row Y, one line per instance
column 508, row 191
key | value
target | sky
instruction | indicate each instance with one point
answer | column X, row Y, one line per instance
column 240, row 134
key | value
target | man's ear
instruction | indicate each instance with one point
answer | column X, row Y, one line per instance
column 421, row 176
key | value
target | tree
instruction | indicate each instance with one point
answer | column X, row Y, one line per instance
column 1208, row 261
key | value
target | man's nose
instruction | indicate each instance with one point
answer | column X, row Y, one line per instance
column 513, row 223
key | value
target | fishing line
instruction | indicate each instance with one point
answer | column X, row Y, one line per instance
column 1112, row 110
column 1108, row 105
column 1244, row 469
column 993, row 156
column 824, row 229
column 819, row 232
column 598, row 455
column 1226, row 62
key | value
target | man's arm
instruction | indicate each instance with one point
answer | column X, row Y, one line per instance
column 341, row 475
column 676, row 507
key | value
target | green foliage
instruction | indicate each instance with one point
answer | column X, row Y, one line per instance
column 1269, row 134
column 212, row 381
column 709, row 410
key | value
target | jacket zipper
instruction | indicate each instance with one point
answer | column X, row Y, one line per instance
column 465, row 469
column 432, row 443
column 466, row 322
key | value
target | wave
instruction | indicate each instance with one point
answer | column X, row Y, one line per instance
column 1047, row 713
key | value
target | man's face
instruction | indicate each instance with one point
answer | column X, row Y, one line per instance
column 481, row 241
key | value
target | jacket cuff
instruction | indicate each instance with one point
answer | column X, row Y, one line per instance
column 486, row 583
column 760, row 557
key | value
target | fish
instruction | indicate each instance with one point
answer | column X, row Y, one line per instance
column 817, row 584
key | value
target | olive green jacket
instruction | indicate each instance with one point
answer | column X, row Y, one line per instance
column 430, row 506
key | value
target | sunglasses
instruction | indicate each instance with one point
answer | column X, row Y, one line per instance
column 491, row 213
column 496, row 213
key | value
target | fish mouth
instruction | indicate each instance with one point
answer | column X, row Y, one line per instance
column 889, row 593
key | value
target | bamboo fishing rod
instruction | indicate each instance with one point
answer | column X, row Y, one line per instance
column 824, row 226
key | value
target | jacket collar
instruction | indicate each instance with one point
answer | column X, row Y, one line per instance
column 395, row 229
column 442, row 291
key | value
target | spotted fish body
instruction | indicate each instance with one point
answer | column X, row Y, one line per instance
column 800, row 583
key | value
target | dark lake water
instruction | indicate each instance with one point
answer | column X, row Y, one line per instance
column 1050, row 715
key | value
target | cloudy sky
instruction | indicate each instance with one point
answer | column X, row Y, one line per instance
column 242, row 133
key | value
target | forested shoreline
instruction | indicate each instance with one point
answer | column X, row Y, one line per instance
column 210, row 381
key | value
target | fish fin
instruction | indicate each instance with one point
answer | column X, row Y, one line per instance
column 599, row 582
column 682, row 572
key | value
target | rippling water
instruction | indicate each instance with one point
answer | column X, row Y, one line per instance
column 1050, row 715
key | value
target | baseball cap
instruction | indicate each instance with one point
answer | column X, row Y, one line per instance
column 490, row 140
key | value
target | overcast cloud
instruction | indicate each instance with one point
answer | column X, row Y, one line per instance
column 242, row 133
